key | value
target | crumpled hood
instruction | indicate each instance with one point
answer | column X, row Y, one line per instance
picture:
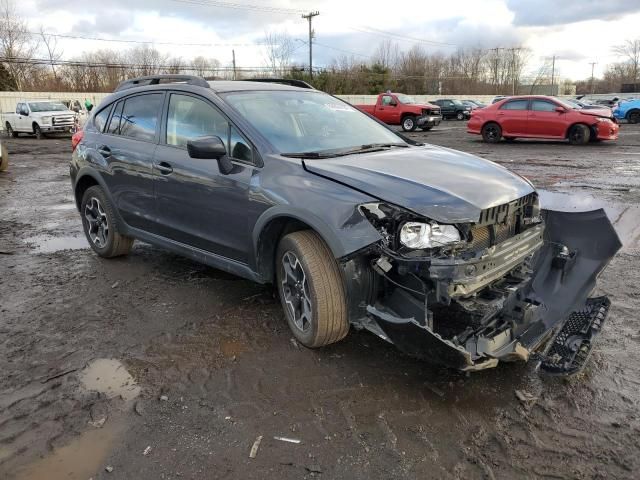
column 442, row 184
column 597, row 112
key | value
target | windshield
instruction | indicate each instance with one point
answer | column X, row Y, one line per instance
column 566, row 104
column 295, row 121
column 457, row 102
column 406, row 99
column 46, row 107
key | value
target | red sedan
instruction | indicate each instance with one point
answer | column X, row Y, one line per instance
column 542, row 117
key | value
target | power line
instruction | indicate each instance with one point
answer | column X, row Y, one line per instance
column 342, row 50
column 397, row 36
column 242, row 6
column 146, row 42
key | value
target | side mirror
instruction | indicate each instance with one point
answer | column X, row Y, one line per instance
column 211, row 148
column 560, row 110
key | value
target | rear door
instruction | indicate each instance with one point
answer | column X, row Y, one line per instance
column 127, row 147
column 512, row 117
column 196, row 204
column 544, row 121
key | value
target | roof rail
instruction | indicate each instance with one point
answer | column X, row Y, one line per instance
column 158, row 79
column 284, row 81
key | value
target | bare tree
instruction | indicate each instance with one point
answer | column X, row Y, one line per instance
column 17, row 47
column 53, row 53
column 386, row 55
column 630, row 51
column 279, row 48
column 205, row 67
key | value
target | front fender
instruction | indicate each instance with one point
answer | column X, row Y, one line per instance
column 344, row 234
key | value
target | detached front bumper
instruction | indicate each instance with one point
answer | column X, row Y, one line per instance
column 513, row 318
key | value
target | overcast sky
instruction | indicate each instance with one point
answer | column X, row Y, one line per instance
column 578, row 32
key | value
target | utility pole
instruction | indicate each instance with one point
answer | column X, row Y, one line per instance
column 593, row 64
column 553, row 72
column 495, row 67
column 309, row 17
column 233, row 52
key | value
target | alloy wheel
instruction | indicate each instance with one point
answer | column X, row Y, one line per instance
column 408, row 123
column 295, row 291
column 98, row 223
column 492, row 132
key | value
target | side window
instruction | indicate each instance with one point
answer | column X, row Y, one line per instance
column 515, row 105
column 190, row 118
column 114, row 124
column 239, row 147
column 19, row 108
column 386, row 100
column 140, row 116
column 100, row 120
column 543, row 106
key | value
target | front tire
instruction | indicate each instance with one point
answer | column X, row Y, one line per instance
column 491, row 132
column 311, row 290
column 37, row 131
column 409, row 123
column 633, row 116
column 10, row 131
column 579, row 135
column 100, row 226
column 460, row 116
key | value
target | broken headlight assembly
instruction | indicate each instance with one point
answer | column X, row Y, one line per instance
column 403, row 230
column 420, row 236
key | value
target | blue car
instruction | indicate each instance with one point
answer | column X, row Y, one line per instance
column 628, row 110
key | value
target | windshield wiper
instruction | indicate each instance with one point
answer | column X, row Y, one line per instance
column 370, row 147
column 309, row 155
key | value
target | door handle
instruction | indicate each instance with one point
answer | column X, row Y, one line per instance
column 104, row 151
column 165, row 168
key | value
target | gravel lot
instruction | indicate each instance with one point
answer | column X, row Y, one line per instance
column 215, row 367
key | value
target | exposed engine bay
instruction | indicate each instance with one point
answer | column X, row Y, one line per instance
column 470, row 295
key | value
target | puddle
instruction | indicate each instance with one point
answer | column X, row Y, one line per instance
column 110, row 377
column 624, row 217
column 50, row 244
column 81, row 459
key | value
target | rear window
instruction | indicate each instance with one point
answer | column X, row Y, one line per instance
column 114, row 124
column 515, row 105
column 140, row 116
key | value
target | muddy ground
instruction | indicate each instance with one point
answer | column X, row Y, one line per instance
column 103, row 361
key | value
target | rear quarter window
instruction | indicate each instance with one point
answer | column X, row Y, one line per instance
column 100, row 119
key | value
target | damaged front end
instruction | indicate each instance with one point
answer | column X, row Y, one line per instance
column 499, row 289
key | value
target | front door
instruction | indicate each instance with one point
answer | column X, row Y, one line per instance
column 388, row 110
column 196, row 204
column 127, row 147
column 545, row 121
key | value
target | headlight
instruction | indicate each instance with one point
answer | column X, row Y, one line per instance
column 605, row 120
column 46, row 119
column 417, row 235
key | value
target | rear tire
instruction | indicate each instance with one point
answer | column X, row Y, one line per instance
column 409, row 123
column 491, row 132
column 100, row 226
column 633, row 116
column 10, row 131
column 311, row 290
column 579, row 135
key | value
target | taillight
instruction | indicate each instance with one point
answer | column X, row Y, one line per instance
column 76, row 139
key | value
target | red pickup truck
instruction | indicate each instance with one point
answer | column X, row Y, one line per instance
column 401, row 109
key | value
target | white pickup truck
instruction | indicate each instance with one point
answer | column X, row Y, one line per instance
column 38, row 117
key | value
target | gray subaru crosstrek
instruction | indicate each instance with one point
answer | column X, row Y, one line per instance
column 446, row 255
